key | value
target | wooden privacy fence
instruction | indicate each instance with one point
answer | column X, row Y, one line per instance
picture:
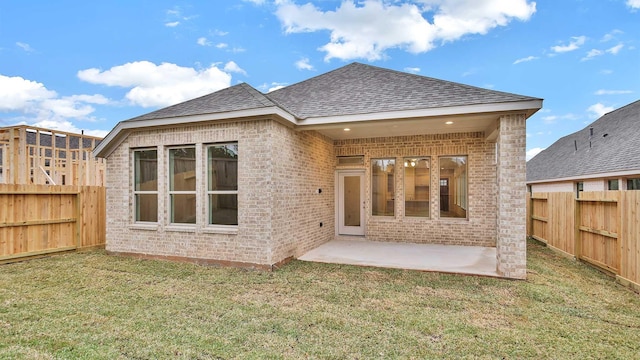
column 42, row 219
column 600, row 228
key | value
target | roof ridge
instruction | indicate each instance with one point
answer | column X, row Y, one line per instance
column 256, row 94
column 404, row 73
column 611, row 146
column 618, row 109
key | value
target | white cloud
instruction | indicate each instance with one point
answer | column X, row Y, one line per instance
column 233, row 67
column 551, row 119
column 611, row 35
column 257, row 2
column 303, row 64
column 175, row 17
column 596, row 52
column 24, row 46
column 574, row 44
column 30, row 102
column 526, row 59
column 218, row 32
column 469, row 72
column 18, row 94
column 616, row 49
column 597, row 110
column 533, row 152
column 612, row 92
column 272, row 87
column 276, row 87
column 366, row 29
column 606, row 72
column 222, row 45
column 591, row 54
column 413, row 70
column 159, row 85
column 202, row 41
column 67, row 126
column 634, row 4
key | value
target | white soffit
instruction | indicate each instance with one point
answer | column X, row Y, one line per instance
column 403, row 127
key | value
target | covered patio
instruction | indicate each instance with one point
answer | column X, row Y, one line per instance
column 468, row 260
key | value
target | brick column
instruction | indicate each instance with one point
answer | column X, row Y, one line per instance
column 511, row 244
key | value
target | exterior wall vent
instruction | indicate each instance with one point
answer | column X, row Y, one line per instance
column 350, row 160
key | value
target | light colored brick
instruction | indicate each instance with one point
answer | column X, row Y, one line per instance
column 280, row 210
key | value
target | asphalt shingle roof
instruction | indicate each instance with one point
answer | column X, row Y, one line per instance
column 353, row 89
column 363, row 89
column 614, row 146
column 234, row 98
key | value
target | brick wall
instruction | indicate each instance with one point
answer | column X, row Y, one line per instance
column 511, row 243
column 252, row 242
column 304, row 163
column 480, row 226
column 279, row 208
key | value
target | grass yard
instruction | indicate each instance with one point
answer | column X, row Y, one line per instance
column 90, row 305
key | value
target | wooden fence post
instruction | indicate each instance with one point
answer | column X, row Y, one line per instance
column 577, row 242
column 529, row 215
column 79, row 218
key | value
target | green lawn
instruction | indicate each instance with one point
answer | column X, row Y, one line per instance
column 94, row 306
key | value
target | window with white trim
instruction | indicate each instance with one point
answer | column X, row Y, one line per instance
column 222, row 184
column 182, row 185
column 145, row 185
column 383, row 187
column 453, row 193
column 417, row 181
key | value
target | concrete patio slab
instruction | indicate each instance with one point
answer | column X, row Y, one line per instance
column 472, row 260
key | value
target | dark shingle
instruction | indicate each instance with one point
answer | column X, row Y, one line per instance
column 614, row 146
column 234, row 98
column 349, row 90
column 363, row 89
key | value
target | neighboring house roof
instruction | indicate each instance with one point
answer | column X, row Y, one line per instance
column 613, row 146
column 355, row 92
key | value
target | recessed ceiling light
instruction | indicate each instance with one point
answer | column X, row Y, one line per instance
column 449, row 122
column 347, row 129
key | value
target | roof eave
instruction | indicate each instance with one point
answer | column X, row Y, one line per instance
column 611, row 174
column 120, row 131
column 529, row 107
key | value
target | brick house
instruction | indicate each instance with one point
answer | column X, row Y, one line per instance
column 242, row 178
column 603, row 156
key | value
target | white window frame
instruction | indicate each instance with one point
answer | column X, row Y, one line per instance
column 174, row 192
column 406, row 160
column 393, row 186
column 217, row 192
column 141, row 192
column 460, row 185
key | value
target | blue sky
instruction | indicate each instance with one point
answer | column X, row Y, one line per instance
column 85, row 65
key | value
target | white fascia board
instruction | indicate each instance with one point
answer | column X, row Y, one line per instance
column 530, row 106
column 607, row 175
column 115, row 136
